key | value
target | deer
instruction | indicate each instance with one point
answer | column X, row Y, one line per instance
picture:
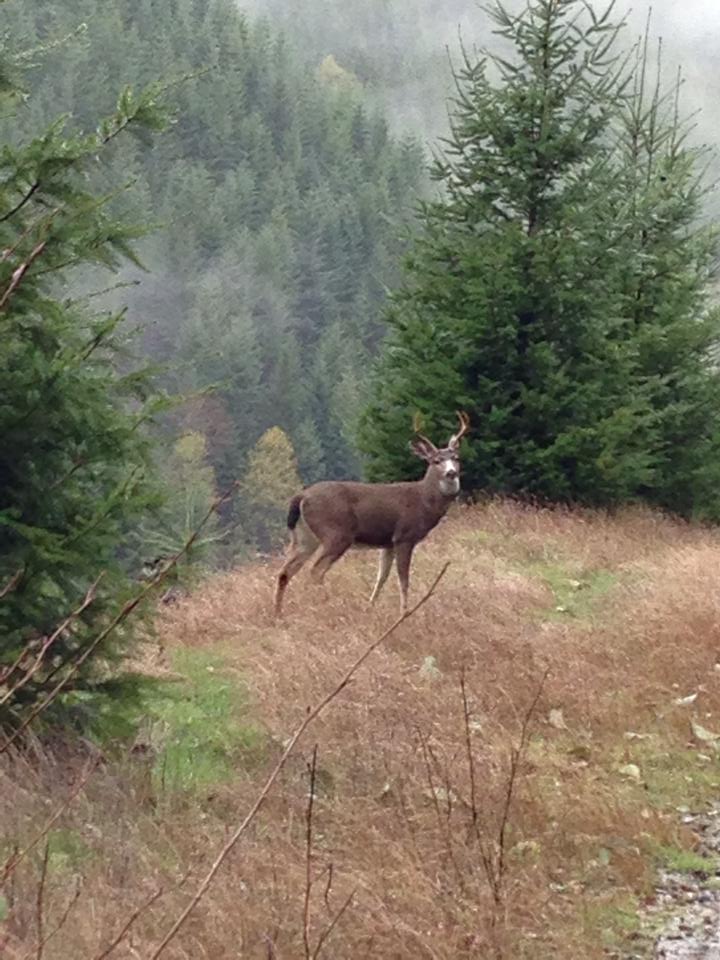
column 328, row 518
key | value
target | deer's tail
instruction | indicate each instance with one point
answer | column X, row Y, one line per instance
column 294, row 511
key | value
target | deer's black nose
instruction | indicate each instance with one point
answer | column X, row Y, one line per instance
column 451, row 474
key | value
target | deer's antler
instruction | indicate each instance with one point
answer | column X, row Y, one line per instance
column 417, row 424
column 464, row 427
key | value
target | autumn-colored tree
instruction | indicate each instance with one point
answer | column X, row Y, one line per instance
column 271, row 479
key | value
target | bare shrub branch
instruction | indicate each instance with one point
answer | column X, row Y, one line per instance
column 125, row 929
column 324, row 936
column 493, row 849
column 40, row 903
column 46, row 645
column 310, row 717
column 308, row 854
column 61, row 922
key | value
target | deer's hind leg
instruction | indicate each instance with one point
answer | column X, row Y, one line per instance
column 302, row 546
column 328, row 553
column 403, row 555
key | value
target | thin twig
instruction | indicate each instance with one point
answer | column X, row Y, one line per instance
column 325, row 935
column 20, row 272
column 61, row 922
column 308, row 854
column 17, row 857
column 21, row 203
column 310, row 717
column 42, row 221
column 124, row 613
column 128, row 924
column 328, row 886
column 516, row 755
column 40, row 902
column 469, row 749
column 486, row 855
column 12, row 583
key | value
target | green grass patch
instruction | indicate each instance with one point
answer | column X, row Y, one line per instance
column 200, row 728
column 677, row 860
column 197, row 728
column 576, row 592
column 676, row 778
column 66, row 849
column 613, row 922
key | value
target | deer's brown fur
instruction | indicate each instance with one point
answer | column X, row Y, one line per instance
column 330, row 517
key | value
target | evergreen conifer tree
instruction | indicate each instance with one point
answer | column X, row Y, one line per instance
column 669, row 256
column 75, row 464
column 516, row 305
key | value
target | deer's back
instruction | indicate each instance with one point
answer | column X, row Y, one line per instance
column 374, row 514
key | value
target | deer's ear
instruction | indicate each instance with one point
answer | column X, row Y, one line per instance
column 422, row 448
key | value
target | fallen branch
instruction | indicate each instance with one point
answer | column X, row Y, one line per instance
column 310, row 717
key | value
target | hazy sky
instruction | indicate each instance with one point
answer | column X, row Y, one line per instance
column 690, row 30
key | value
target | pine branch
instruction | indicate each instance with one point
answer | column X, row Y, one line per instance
column 25, row 199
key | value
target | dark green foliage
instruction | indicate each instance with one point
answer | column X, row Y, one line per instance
column 668, row 260
column 557, row 292
column 74, row 459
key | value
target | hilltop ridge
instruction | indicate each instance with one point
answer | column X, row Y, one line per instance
column 545, row 848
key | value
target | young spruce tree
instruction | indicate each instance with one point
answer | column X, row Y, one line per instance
column 670, row 251
column 75, row 463
column 517, row 300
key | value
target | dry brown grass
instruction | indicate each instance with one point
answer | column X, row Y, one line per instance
column 393, row 820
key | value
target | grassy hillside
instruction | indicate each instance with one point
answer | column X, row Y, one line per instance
column 416, row 851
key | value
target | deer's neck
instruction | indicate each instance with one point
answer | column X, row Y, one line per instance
column 435, row 501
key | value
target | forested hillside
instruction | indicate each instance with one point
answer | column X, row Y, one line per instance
column 280, row 199
column 396, row 49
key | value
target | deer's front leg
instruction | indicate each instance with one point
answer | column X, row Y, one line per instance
column 403, row 556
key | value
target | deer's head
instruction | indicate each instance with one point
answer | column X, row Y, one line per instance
column 444, row 462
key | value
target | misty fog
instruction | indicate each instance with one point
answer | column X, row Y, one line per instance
column 420, row 36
